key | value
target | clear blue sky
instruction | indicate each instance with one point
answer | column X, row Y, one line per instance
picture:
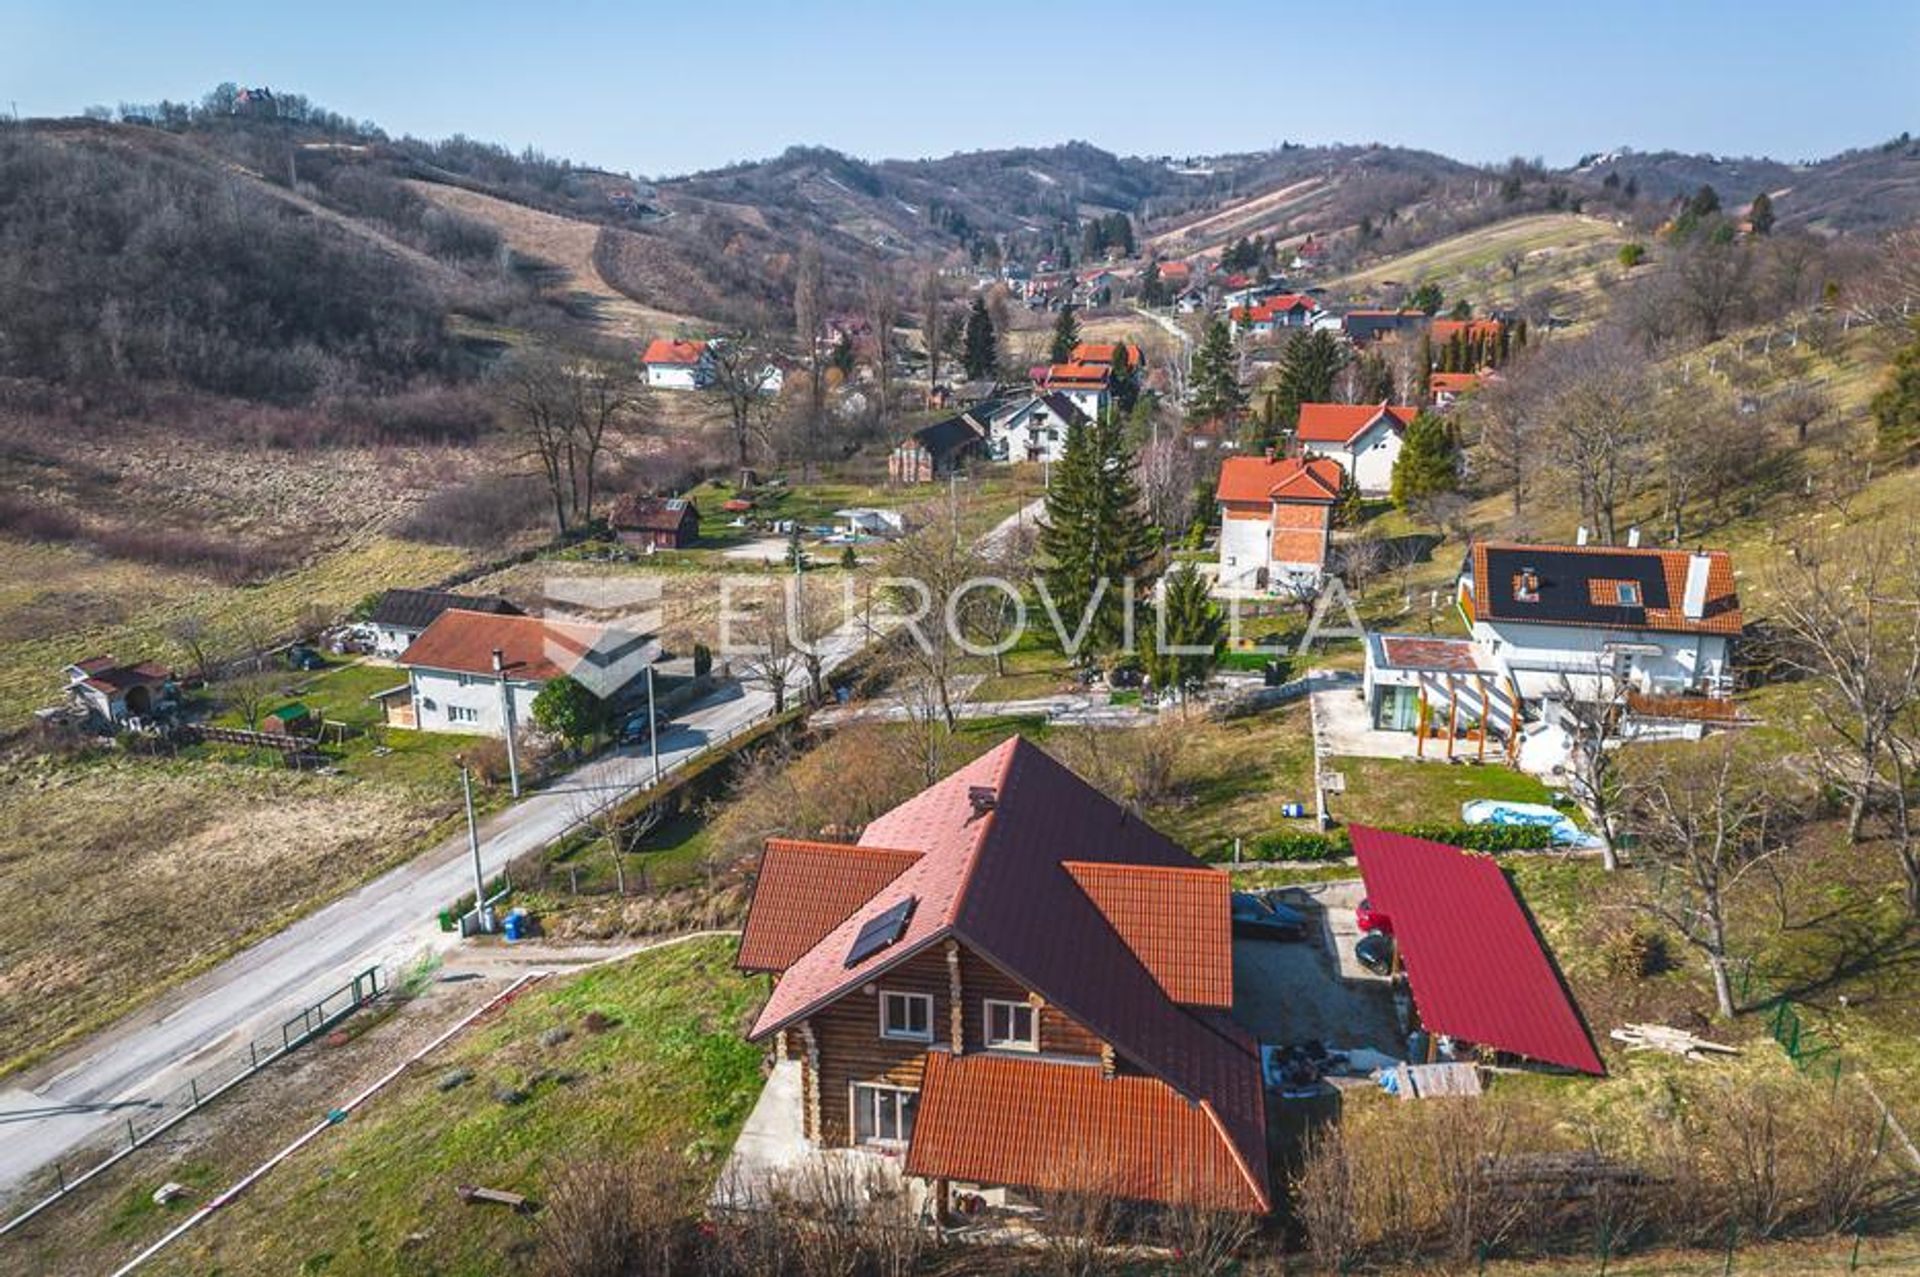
column 660, row 88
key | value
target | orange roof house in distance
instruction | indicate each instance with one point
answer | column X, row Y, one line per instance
column 677, row 365
column 454, row 685
column 1276, row 521
column 1447, row 387
column 1087, row 386
column 1364, row 438
column 1102, row 354
column 1010, row 982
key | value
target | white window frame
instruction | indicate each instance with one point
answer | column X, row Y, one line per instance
column 1029, row 1043
column 898, row 1097
column 900, row 1035
column 465, row 715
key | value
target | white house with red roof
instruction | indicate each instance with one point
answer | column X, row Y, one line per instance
column 1087, row 387
column 1276, row 521
column 1009, row 986
column 1264, row 318
column 453, row 684
column 678, row 365
column 1364, row 438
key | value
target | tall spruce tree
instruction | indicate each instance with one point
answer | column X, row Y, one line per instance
column 1124, row 381
column 1308, row 368
column 1094, row 535
column 1214, row 391
column 1760, row 214
column 1066, row 335
column 981, row 355
column 1429, row 462
column 1153, row 291
column 1190, row 621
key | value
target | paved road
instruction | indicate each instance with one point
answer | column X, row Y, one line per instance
column 389, row 920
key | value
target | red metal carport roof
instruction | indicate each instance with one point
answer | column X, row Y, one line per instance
column 1478, row 970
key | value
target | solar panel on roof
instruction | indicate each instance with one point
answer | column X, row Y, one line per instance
column 880, row 931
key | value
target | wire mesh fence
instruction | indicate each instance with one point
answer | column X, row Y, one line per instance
column 138, row 1121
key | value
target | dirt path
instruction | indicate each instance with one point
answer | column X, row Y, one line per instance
column 566, row 245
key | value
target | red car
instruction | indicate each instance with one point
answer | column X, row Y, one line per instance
column 1367, row 918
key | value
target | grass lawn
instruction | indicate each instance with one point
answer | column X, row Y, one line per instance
column 1392, row 791
column 1232, row 777
column 370, row 750
column 376, row 1194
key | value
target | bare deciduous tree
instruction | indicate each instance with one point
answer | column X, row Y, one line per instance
column 1168, row 472
column 933, row 329
column 1705, row 819
column 883, row 312
column 1597, row 410
column 565, row 414
column 742, row 382
column 770, row 657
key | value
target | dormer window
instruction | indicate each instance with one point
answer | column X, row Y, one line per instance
column 1526, row 586
column 1626, row 593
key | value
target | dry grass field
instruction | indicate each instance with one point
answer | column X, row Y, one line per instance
column 128, row 875
column 1498, row 264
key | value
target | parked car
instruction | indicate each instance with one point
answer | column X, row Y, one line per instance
column 301, row 657
column 1367, row 918
column 1256, row 919
column 637, row 730
column 1374, row 951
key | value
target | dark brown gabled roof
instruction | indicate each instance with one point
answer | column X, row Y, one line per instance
column 417, row 609
column 634, row 512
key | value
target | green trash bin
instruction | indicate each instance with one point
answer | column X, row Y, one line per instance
column 447, row 921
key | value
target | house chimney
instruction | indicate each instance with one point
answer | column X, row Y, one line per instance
column 1269, row 452
column 1633, row 537
column 1693, row 604
column 982, row 798
column 1580, row 537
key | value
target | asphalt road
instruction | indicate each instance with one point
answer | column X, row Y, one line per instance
column 50, row 1110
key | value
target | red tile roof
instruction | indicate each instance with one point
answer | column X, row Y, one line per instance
column 1477, row 968
column 104, row 674
column 1343, row 422
column 1103, row 353
column 1273, row 306
column 535, row 648
column 1416, row 652
column 662, row 350
column 806, row 889
column 1256, row 479
column 1070, row 375
column 1177, row 922
column 1052, row 1126
column 1453, row 382
column 997, row 882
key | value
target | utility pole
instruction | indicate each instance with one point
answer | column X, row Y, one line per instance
column 653, row 727
column 506, row 721
column 480, row 913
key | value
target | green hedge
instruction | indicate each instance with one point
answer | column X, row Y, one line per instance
column 1288, row 844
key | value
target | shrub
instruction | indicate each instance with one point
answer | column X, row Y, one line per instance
column 1631, row 255
column 483, row 513
column 1290, row 844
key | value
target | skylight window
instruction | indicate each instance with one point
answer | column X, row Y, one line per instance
column 1626, row 593
column 880, row 931
column 1526, row 586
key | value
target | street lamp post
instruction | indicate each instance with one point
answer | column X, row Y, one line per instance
column 653, row 727
column 480, row 914
column 506, row 721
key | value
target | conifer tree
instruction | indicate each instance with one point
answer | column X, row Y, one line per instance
column 1190, row 621
column 1760, row 215
column 1124, row 381
column 1066, row 335
column 1093, row 533
column 1429, row 462
column 1896, row 408
column 1215, row 392
column 1308, row 368
column 1152, row 291
column 981, row 354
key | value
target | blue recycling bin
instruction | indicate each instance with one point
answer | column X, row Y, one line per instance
column 515, row 926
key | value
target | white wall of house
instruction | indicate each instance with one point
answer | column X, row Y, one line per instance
column 1369, row 458
column 1246, row 546
column 676, row 376
column 391, row 640
column 1539, row 656
column 1091, row 402
column 467, row 703
column 1032, row 433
